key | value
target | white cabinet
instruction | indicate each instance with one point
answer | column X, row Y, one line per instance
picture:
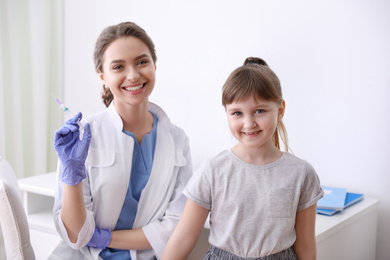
column 350, row 234
column 38, row 200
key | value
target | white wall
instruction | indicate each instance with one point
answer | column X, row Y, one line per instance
column 332, row 57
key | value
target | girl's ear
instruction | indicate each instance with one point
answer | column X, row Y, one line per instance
column 281, row 110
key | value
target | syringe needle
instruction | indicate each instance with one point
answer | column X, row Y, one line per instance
column 67, row 111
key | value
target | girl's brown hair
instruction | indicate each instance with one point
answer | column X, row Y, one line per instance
column 109, row 35
column 255, row 79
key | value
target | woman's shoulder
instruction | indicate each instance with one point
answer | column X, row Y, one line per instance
column 164, row 121
column 107, row 124
column 178, row 132
column 96, row 117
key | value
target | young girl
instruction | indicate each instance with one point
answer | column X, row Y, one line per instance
column 119, row 192
column 262, row 201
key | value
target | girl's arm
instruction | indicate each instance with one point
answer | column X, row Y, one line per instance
column 187, row 232
column 305, row 243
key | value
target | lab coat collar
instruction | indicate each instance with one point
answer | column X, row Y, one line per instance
column 163, row 119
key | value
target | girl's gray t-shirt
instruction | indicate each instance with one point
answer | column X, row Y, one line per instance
column 253, row 207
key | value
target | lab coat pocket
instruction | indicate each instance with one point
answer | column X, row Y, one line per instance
column 100, row 158
column 109, row 175
column 101, row 166
column 280, row 202
column 180, row 160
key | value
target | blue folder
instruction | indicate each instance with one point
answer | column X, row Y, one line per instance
column 351, row 199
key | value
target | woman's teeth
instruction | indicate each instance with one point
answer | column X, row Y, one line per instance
column 134, row 88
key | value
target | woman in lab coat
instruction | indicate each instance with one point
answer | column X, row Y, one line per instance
column 119, row 192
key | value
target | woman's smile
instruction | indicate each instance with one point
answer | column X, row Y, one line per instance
column 134, row 88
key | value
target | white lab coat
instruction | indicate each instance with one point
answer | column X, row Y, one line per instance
column 108, row 168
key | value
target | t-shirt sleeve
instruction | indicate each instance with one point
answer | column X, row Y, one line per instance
column 199, row 187
column 311, row 191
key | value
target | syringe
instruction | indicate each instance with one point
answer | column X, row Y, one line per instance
column 67, row 111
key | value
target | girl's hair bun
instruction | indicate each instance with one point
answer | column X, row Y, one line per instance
column 255, row 60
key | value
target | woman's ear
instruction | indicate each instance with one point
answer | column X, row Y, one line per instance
column 101, row 76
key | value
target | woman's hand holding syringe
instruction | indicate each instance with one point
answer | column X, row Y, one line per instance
column 72, row 151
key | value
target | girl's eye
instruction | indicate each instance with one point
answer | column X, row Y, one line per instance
column 236, row 113
column 260, row 111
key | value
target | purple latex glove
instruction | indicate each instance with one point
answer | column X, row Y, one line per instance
column 72, row 151
column 100, row 238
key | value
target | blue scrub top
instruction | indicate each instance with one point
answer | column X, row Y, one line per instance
column 143, row 155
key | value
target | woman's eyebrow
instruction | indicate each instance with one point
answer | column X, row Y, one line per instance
column 142, row 56
column 116, row 61
column 136, row 58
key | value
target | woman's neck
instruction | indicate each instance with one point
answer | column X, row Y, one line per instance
column 136, row 119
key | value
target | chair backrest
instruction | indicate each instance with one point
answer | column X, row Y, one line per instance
column 2, row 247
column 13, row 218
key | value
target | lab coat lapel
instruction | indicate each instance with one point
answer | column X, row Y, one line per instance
column 158, row 186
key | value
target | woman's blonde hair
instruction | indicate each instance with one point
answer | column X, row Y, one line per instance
column 255, row 79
